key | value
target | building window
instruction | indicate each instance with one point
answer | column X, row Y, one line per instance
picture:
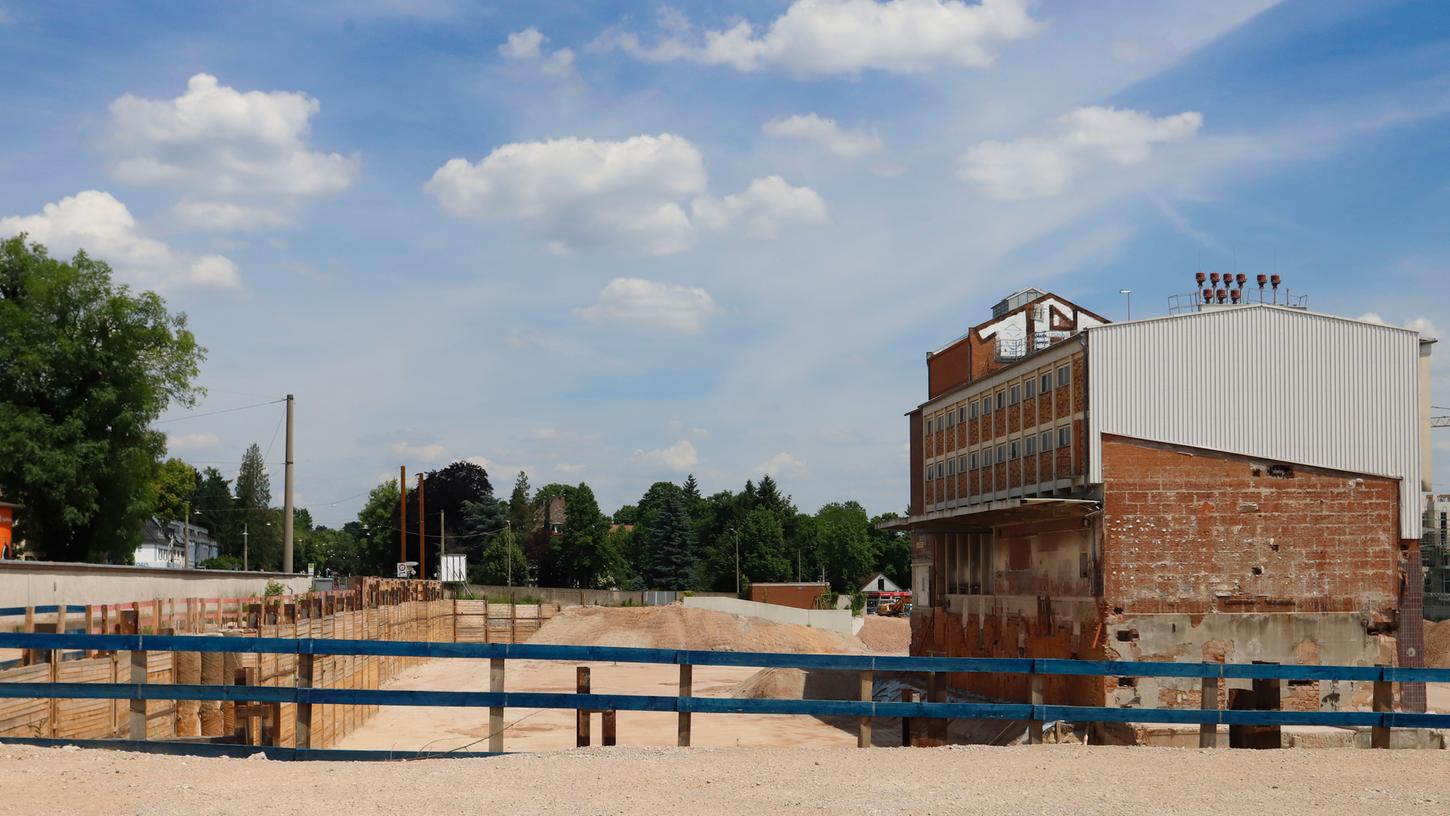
column 987, row 405
column 1031, row 443
column 1015, row 395
column 1064, row 437
column 962, row 463
column 1046, row 441
column 974, row 460
column 1046, row 383
column 928, row 473
column 1029, row 389
column 1064, row 376
column 1014, row 450
column 1001, row 454
column 1001, row 397
column 961, row 414
column 951, row 419
column 951, row 467
column 974, row 409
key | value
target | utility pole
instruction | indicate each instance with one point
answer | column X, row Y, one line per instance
column 442, row 543
column 509, row 556
column 186, row 538
column 403, row 514
column 1128, row 299
column 422, row 525
column 737, row 562
column 287, row 497
column 244, row 546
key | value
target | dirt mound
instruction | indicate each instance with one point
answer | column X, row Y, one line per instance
column 676, row 627
column 1437, row 644
column 886, row 635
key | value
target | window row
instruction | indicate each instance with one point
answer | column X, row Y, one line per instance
column 1000, row 400
column 1005, row 452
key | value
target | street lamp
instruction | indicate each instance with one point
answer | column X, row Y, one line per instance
column 1128, row 296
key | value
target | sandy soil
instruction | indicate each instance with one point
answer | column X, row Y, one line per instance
column 886, row 635
column 999, row 781
column 676, row 627
column 526, row 729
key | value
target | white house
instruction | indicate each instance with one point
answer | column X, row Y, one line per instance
column 163, row 545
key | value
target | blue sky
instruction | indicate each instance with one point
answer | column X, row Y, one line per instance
column 619, row 243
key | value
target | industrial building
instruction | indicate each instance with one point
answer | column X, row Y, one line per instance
column 1435, row 557
column 1239, row 481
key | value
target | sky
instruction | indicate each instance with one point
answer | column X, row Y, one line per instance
column 620, row 243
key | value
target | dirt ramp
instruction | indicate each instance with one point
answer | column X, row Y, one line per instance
column 676, row 627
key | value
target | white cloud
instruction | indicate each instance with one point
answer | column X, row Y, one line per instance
column 582, row 193
column 585, row 194
column 822, row 37
column 218, row 139
column 641, row 302
column 102, row 226
column 1423, row 325
column 680, row 456
column 825, row 133
column 526, row 47
column 423, row 453
column 568, row 468
column 1038, row 167
column 766, row 206
column 781, row 464
column 191, row 441
column 223, row 216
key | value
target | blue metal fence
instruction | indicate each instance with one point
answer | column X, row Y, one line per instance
column 1035, row 712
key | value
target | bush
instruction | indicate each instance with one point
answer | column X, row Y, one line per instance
column 222, row 562
column 274, row 588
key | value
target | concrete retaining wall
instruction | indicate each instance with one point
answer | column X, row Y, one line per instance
column 42, row 583
column 836, row 620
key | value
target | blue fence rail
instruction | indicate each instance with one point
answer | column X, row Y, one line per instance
column 1034, row 712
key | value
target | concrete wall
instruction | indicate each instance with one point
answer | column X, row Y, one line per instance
column 42, row 583
column 835, row 620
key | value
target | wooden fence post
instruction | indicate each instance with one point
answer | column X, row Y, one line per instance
column 863, row 724
column 907, row 696
column 1034, row 725
column 138, row 704
column 936, row 692
column 28, row 656
column 304, row 710
column 1208, row 701
column 606, row 720
column 1383, row 699
column 581, row 719
column 686, row 682
column 495, row 714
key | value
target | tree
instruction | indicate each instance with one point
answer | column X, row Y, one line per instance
column 891, row 551
column 85, row 367
column 503, row 561
column 522, row 516
column 175, row 487
column 445, row 491
column 669, row 549
column 580, row 555
column 482, row 521
column 763, row 557
column 254, row 519
column 378, row 526
column 329, row 551
column 212, row 500
column 844, row 546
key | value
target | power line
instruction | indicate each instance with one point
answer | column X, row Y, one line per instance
column 222, row 411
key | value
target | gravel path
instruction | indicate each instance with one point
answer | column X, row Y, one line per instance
column 999, row 781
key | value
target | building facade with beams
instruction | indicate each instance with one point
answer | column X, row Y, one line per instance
column 1238, row 482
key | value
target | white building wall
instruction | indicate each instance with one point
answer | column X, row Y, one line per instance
column 1264, row 381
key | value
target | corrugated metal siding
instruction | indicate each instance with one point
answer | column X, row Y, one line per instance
column 1268, row 382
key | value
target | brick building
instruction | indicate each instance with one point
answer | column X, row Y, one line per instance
column 1240, row 482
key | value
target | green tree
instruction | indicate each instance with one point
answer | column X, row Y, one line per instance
column 763, row 556
column 580, row 555
column 891, row 551
column 523, row 516
column 378, row 528
column 175, row 487
column 844, row 546
column 669, row 549
column 254, row 519
column 211, row 503
column 337, row 552
column 85, row 367
column 503, row 561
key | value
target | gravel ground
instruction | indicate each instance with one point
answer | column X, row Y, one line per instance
column 999, row 781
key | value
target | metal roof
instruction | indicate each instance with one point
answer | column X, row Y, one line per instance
column 1265, row 381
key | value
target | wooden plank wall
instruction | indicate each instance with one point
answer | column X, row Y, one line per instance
column 484, row 622
column 381, row 609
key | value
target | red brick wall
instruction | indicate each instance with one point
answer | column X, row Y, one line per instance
column 1196, row 531
column 918, row 462
column 948, row 368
